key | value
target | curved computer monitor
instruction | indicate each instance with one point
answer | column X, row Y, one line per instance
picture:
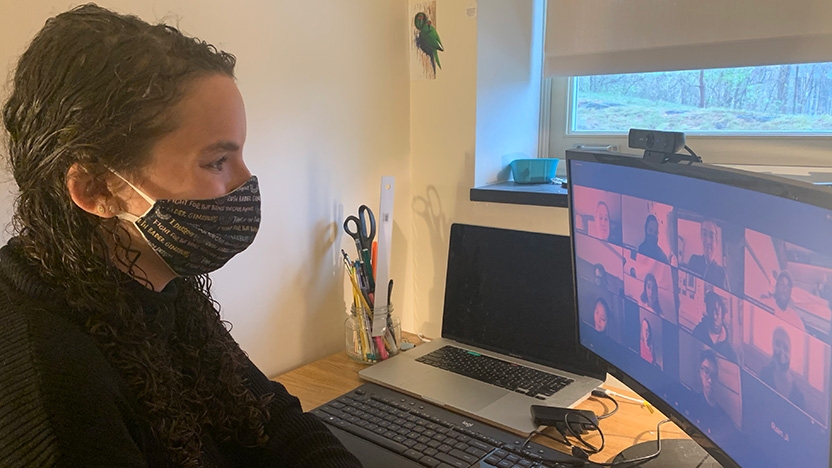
column 707, row 290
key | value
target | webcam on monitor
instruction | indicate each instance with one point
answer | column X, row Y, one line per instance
column 661, row 146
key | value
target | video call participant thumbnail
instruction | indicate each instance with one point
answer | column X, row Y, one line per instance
column 706, row 265
column 713, row 330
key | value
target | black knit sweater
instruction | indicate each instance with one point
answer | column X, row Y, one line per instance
column 62, row 404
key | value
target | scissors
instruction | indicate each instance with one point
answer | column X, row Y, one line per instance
column 362, row 229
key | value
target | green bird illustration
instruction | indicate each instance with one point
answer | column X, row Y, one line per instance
column 428, row 39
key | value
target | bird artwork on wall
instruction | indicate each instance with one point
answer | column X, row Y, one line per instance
column 426, row 43
column 428, row 39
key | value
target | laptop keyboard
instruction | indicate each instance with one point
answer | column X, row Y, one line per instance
column 429, row 435
column 508, row 375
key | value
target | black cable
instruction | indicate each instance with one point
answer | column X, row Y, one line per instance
column 696, row 156
column 538, row 431
column 583, row 423
column 646, row 457
column 598, row 393
column 580, row 455
column 577, row 462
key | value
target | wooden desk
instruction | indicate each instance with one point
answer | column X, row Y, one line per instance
column 323, row 380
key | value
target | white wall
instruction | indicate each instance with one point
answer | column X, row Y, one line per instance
column 326, row 89
column 443, row 140
column 509, row 70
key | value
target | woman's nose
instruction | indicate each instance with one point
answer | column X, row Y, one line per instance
column 240, row 177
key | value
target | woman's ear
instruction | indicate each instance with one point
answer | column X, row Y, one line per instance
column 90, row 191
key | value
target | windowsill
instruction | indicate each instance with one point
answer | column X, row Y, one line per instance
column 521, row 194
column 555, row 195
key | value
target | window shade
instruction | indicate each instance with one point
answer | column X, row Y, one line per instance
column 595, row 37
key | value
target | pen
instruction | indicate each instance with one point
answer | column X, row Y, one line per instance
column 374, row 257
column 389, row 293
column 389, row 319
column 363, row 284
column 366, row 265
column 347, row 261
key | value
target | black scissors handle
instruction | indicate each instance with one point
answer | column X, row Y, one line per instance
column 362, row 228
column 367, row 218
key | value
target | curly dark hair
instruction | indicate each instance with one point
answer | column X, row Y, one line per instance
column 97, row 88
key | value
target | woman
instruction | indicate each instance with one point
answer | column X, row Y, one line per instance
column 600, row 276
column 650, row 294
column 646, row 346
column 112, row 343
column 600, row 315
column 602, row 221
column 650, row 245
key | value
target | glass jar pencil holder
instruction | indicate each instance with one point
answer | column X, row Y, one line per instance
column 360, row 344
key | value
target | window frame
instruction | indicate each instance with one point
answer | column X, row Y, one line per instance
column 805, row 150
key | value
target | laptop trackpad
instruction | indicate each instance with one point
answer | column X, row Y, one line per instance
column 508, row 412
column 456, row 391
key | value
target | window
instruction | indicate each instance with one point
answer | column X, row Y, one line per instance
column 765, row 100
column 808, row 148
column 629, row 53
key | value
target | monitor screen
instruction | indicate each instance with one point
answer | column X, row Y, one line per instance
column 708, row 291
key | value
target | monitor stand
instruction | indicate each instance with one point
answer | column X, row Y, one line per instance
column 678, row 453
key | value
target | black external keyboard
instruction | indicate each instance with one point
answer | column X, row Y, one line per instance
column 497, row 372
column 401, row 431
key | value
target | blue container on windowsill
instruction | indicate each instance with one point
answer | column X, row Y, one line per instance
column 534, row 171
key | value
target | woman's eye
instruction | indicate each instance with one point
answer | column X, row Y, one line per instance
column 218, row 164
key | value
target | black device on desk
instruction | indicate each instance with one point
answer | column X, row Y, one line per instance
column 385, row 429
column 723, row 322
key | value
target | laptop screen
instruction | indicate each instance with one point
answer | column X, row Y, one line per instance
column 512, row 292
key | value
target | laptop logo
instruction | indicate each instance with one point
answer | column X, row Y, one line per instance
column 467, row 424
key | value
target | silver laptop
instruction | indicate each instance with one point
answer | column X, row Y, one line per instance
column 509, row 296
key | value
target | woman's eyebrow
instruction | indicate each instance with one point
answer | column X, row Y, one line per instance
column 224, row 145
